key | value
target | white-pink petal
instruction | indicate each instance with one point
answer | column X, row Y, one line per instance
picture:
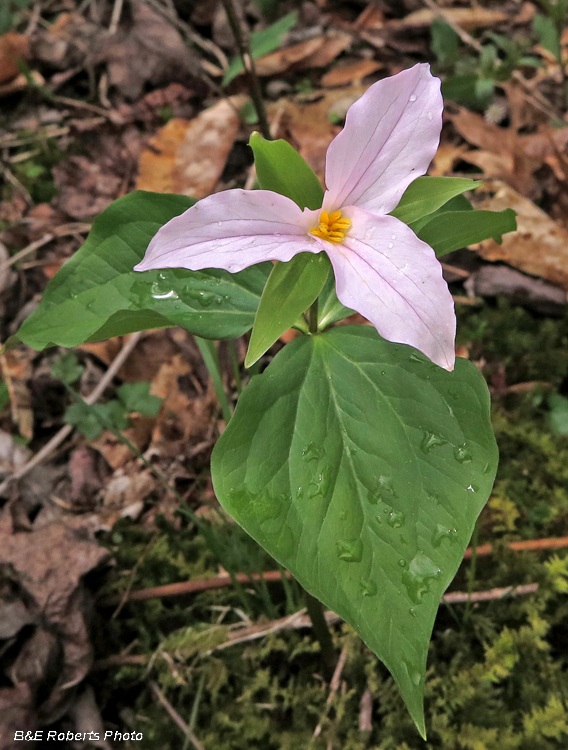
column 232, row 230
column 391, row 135
column 383, row 271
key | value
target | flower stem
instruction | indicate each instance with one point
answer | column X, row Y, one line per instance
column 211, row 359
column 313, row 315
column 241, row 37
column 322, row 633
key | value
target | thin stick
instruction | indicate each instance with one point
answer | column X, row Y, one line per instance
column 63, row 433
column 115, row 18
column 333, row 688
column 185, row 728
column 299, row 621
column 75, row 228
column 244, row 49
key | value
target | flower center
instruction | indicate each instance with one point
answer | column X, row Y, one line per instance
column 331, row 227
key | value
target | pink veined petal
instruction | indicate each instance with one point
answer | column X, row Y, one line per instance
column 232, row 230
column 383, row 271
column 391, row 135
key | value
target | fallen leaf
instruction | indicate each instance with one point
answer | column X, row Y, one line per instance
column 181, row 418
column 116, row 453
column 46, row 567
column 188, row 157
column 539, row 246
column 352, row 71
column 283, row 59
column 13, row 47
column 307, row 123
column 16, row 371
column 468, row 18
column 148, row 50
column 447, row 156
column 333, row 45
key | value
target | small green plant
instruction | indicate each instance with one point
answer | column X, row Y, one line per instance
column 471, row 79
column 92, row 419
column 549, row 27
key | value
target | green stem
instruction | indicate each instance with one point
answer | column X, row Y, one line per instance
column 322, row 633
column 211, row 359
column 313, row 315
column 471, row 571
column 241, row 37
column 236, row 368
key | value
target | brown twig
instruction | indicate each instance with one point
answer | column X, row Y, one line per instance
column 271, row 576
column 299, row 621
column 333, row 688
column 185, row 728
column 65, row 431
column 63, row 231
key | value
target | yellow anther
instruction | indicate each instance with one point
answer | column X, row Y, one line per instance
column 331, row 227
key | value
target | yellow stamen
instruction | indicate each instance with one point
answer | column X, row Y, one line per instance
column 331, row 227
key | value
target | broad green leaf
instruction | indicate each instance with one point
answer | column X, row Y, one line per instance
column 361, row 467
column 280, row 168
column 455, row 229
column 96, row 294
column 290, row 290
column 427, row 194
column 262, row 43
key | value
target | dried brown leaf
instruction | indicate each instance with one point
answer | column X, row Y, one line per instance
column 188, row 157
column 539, row 246
column 350, row 72
column 13, row 47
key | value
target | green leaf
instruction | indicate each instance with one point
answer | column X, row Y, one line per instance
column 290, row 290
column 84, row 418
column 4, row 394
column 280, row 168
column 545, row 29
column 455, row 229
column 427, row 194
column 262, row 43
column 330, row 309
column 136, row 398
column 459, row 203
column 361, row 467
column 557, row 417
column 445, row 42
column 67, row 368
column 97, row 295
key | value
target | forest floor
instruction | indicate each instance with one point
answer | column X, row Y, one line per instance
column 99, row 98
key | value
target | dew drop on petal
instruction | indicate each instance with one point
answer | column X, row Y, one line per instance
column 393, row 237
column 412, row 98
column 391, row 246
column 430, row 116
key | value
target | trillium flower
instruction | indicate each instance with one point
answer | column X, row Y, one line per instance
column 382, row 270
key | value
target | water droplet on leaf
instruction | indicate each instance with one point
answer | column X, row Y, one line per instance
column 368, row 588
column 396, row 519
column 462, row 454
column 430, row 441
column 443, row 533
column 419, row 576
column 350, row 551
